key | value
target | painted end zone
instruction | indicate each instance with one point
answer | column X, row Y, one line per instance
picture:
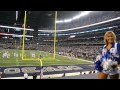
column 48, row 71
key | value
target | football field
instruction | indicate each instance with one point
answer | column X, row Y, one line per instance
column 15, row 58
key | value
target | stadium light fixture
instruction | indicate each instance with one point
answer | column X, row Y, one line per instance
column 85, row 13
column 67, row 20
column 76, row 17
column 81, row 14
column 72, row 36
column 60, row 21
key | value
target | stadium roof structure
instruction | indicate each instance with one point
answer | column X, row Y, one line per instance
column 43, row 19
column 40, row 18
column 34, row 18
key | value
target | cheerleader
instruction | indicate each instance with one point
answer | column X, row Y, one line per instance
column 109, row 59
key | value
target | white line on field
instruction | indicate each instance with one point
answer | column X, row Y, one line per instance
column 76, row 58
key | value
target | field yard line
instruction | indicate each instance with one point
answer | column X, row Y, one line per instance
column 71, row 57
column 76, row 58
column 85, row 60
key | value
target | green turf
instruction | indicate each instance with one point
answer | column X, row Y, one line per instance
column 17, row 61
